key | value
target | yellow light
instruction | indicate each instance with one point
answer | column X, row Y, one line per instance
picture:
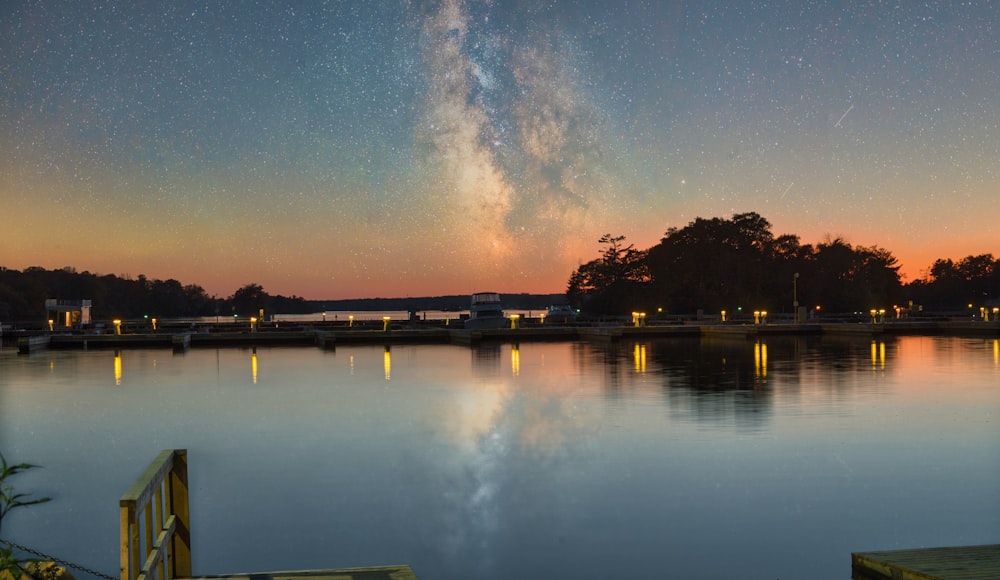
column 118, row 326
column 350, row 320
column 253, row 366
column 513, row 320
column 515, row 359
column 154, row 324
column 51, row 322
column 385, row 324
column 387, row 363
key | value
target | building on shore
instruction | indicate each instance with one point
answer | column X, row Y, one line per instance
column 63, row 314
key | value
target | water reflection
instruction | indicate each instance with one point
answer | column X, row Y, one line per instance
column 760, row 359
column 118, row 367
column 253, row 365
column 578, row 454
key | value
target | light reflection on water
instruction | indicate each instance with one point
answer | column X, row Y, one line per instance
column 717, row 458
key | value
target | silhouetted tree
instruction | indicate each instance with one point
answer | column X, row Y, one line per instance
column 613, row 284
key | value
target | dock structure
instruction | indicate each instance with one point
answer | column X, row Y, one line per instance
column 156, row 536
column 949, row 563
column 327, row 338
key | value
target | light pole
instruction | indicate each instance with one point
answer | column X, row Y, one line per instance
column 795, row 297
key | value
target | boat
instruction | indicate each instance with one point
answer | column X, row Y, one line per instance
column 560, row 314
column 486, row 312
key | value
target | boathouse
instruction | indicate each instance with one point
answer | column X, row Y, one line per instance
column 62, row 313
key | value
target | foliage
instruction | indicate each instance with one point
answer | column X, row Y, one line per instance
column 954, row 285
column 735, row 264
column 23, row 295
column 9, row 500
column 609, row 284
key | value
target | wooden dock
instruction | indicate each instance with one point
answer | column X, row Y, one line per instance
column 155, row 534
column 373, row 573
column 952, row 563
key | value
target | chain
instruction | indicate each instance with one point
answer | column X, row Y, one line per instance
column 58, row 561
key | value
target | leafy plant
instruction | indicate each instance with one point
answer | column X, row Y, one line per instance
column 9, row 499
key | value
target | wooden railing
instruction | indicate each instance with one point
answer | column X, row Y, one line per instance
column 156, row 545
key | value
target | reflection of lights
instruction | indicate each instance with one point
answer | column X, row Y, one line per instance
column 118, row 367
column 387, row 362
column 878, row 354
column 352, row 365
column 515, row 359
column 639, row 357
column 760, row 359
column 253, row 365
column 996, row 351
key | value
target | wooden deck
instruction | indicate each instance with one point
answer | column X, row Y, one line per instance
column 156, row 538
column 374, row 573
column 955, row 563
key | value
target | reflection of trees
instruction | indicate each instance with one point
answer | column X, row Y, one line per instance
column 735, row 379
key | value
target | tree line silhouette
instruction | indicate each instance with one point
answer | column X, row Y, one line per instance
column 710, row 265
column 23, row 295
column 739, row 265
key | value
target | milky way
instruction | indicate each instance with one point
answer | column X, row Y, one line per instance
column 406, row 148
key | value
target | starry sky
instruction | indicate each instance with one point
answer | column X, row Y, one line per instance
column 404, row 148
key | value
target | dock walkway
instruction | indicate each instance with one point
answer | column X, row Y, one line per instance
column 953, row 563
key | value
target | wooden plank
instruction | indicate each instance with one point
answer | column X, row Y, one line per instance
column 397, row 572
column 947, row 563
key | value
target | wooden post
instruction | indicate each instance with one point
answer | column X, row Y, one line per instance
column 178, row 494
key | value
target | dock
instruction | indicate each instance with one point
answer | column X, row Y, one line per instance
column 330, row 337
column 947, row 563
column 155, row 534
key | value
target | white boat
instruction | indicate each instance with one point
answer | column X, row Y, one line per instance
column 485, row 311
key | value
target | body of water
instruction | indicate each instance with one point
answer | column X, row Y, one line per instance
column 669, row 458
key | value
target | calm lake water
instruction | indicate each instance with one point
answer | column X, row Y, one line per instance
column 678, row 458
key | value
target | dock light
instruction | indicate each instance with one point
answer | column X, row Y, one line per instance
column 118, row 326
column 763, row 316
column 253, row 323
column 324, row 317
column 51, row 322
column 723, row 316
column 385, row 324
column 637, row 318
column 756, row 316
column 541, row 318
column 350, row 320
column 513, row 320
column 154, row 324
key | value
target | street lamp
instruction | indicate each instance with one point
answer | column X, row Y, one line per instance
column 118, row 326
column 513, row 320
column 385, row 324
column 795, row 297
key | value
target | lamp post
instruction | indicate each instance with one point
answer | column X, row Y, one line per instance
column 795, row 297
column 385, row 324
column 513, row 320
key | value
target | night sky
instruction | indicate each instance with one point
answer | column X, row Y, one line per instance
column 404, row 148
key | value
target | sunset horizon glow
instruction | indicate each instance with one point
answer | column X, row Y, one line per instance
column 406, row 149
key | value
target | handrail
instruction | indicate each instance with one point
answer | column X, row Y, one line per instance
column 161, row 495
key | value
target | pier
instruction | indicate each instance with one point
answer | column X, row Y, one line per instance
column 951, row 563
column 156, row 540
column 331, row 337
